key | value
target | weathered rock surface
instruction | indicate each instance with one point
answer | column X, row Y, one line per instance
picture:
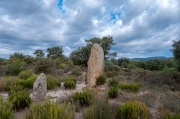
column 95, row 64
column 40, row 87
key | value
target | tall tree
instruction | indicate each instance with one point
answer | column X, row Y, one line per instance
column 106, row 43
column 176, row 53
column 55, row 52
column 39, row 53
column 123, row 60
column 17, row 55
column 81, row 55
column 176, row 49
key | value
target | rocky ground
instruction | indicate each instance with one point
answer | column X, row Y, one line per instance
column 59, row 93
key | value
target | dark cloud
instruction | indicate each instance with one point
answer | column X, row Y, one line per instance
column 139, row 28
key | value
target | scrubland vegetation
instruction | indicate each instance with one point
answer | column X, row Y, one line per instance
column 133, row 89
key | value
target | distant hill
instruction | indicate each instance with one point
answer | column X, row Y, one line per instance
column 3, row 58
column 149, row 58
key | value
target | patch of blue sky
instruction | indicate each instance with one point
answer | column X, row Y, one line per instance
column 114, row 17
column 60, row 5
column 167, row 53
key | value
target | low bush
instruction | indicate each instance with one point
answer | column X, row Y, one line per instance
column 9, row 81
column 109, row 66
column 2, row 70
column 134, row 110
column 113, row 82
column 20, row 82
column 131, row 66
column 6, row 110
column 101, row 110
column 71, row 78
column 2, row 85
column 25, row 74
column 168, row 78
column 28, row 83
column 62, row 66
column 50, row 110
column 20, row 99
column 77, row 71
column 113, row 92
column 101, row 80
column 170, row 101
column 112, row 73
column 43, row 65
column 15, row 87
column 148, row 98
column 53, row 82
column 129, row 87
column 165, row 113
column 15, row 66
column 83, row 98
column 70, row 83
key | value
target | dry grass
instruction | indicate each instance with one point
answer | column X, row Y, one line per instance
column 2, row 84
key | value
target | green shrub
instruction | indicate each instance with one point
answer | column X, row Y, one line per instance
column 2, row 70
column 20, row 82
column 170, row 101
column 113, row 82
column 6, row 111
column 131, row 66
column 71, row 78
column 76, row 71
column 109, row 66
column 155, row 64
column 2, row 85
column 129, row 87
column 53, row 82
column 134, row 110
column 70, row 83
column 62, row 66
column 101, row 80
column 15, row 87
column 113, row 92
column 70, row 63
column 166, row 113
column 83, row 98
column 15, row 66
column 123, row 60
column 50, row 110
column 112, row 73
column 25, row 74
column 50, row 84
column 19, row 99
column 43, row 65
column 30, row 81
column 101, row 110
column 168, row 78
column 9, row 81
column 148, row 98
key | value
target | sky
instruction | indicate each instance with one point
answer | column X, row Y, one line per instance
column 140, row 28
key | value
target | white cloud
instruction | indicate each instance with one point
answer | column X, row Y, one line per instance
column 139, row 28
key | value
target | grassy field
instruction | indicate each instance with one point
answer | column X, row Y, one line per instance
column 125, row 92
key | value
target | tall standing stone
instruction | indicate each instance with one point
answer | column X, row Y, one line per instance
column 95, row 64
column 40, row 87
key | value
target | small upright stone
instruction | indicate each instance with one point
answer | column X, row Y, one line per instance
column 40, row 87
column 95, row 64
